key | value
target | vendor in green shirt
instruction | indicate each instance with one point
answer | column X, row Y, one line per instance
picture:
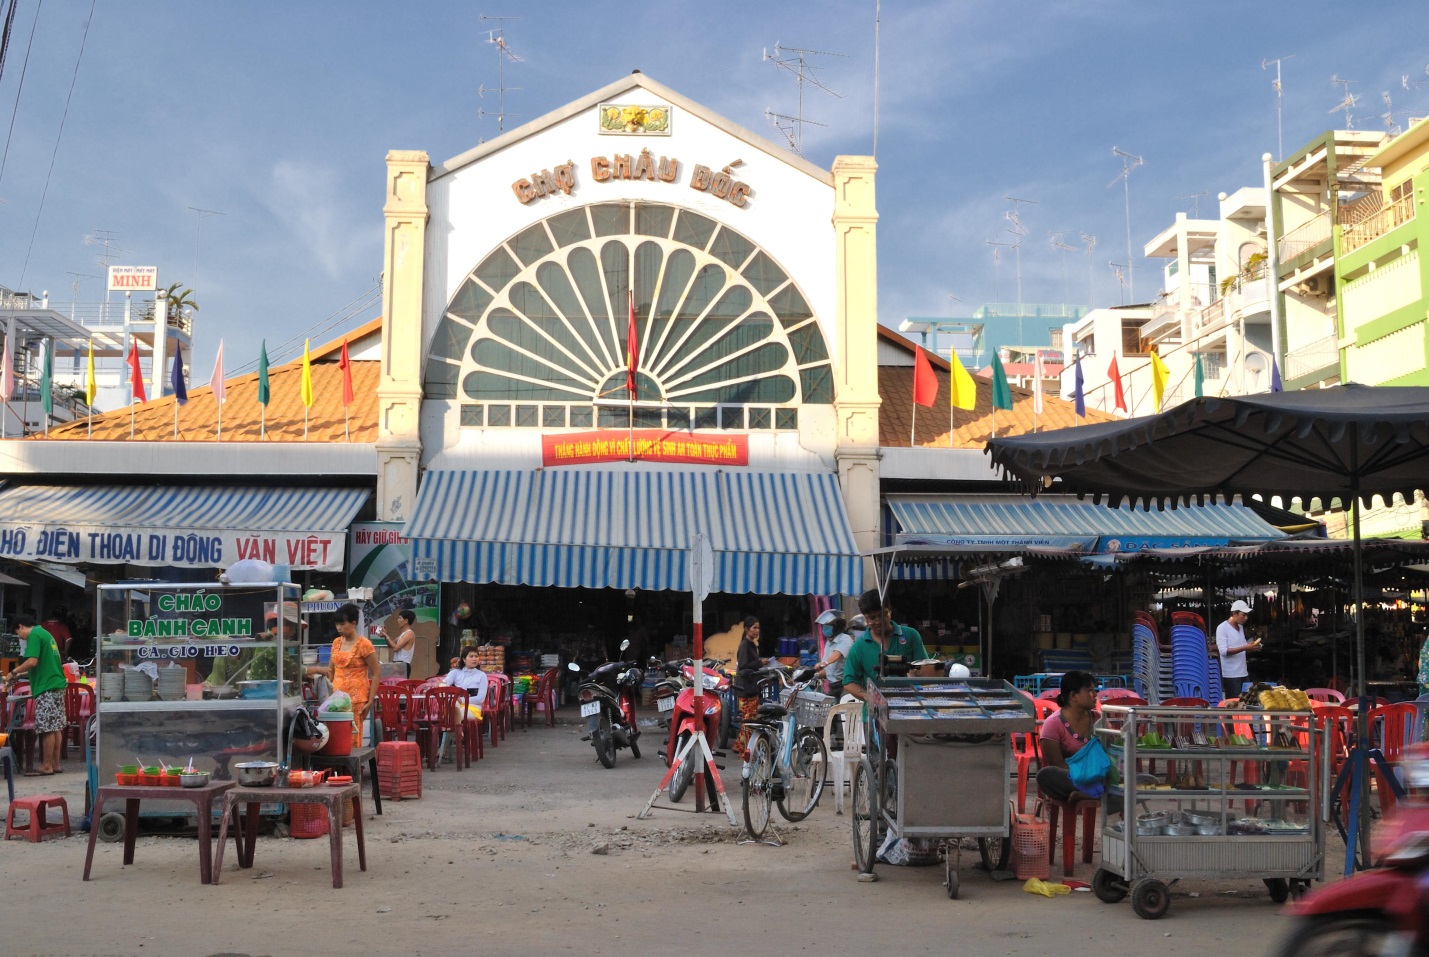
column 47, row 687
column 884, row 637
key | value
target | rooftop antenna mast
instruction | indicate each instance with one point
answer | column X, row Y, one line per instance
column 1059, row 242
column 198, row 222
column 1195, row 204
column 996, row 267
column 796, row 61
column 1014, row 216
column 105, row 238
column 1388, row 114
column 1348, row 102
column 497, row 38
column 1279, row 102
column 1129, row 162
column 1090, row 242
column 76, row 279
column 1118, row 270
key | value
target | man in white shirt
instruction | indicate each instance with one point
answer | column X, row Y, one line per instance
column 1232, row 645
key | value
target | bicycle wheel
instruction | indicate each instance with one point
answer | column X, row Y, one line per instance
column 865, row 818
column 758, row 792
column 808, row 770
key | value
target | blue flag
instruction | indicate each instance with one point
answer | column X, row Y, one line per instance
column 181, row 392
column 1275, row 384
column 1078, row 395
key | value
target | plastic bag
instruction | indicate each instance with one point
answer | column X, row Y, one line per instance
column 1036, row 886
column 1088, row 767
column 473, row 712
column 338, row 701
column 908, row 851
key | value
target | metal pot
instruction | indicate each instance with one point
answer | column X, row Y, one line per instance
column 1200, row 817
column 193, row 779
column 1155, row 818
column 256, row 774
column 1179, row 830
column 1148, row 830
column 1209, row 830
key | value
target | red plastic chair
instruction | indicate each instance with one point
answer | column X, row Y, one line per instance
column 1050, row 694
column 447, row 720
column 496, row 713
column 412, row 684
column 1389, row 730
column 1024, row 749
column 79, row 706
column 395, row 710
column 1327, row 695
column 1124, row 696
column 541, row 698
column 19, row 721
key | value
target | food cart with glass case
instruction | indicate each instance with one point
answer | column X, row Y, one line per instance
column 159, row 643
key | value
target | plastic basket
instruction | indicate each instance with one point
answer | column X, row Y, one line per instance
column 1031, row 846
column 810, row 707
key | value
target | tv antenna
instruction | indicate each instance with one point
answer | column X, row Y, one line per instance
column 1129, row 162
column 1090, row 242
column 1195, row 204
column 1121, row 277
column 1014, row 217
column 1060, row 243
column 996, row 267
column 76, row 278
column 1279, row 98
column 497, row 38
column 198, row 222
column 105, row 238
column 795, row 60
column 1388, row 114
column 1347, row 103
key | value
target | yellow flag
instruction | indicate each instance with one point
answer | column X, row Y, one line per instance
column 962, row 387
column 307, row 376
column 1159, row 377
column 91, row 389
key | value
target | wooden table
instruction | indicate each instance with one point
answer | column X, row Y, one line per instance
column 202, row 799
column 252, row 799
column 352, row 764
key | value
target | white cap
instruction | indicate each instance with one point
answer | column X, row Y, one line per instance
column 1240, row 606
column 959, row 670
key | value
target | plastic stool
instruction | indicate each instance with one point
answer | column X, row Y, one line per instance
column 7, row 757
column 37, row 805
column 1088, row 811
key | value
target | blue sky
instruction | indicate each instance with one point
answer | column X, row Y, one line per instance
column 280, row 115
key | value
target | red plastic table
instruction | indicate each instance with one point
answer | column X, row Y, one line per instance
column 247, row 826
column 202, row 799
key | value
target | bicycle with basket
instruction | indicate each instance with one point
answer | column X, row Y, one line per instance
column 787, row 762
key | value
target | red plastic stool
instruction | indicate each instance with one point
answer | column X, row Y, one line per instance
column 38, row 826
column 1088, row 811
column 399, row 769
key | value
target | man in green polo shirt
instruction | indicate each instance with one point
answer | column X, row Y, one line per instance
column 47, row 688
column 884, row 636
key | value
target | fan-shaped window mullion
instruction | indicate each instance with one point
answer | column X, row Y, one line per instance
column 679, row 271
column 731, row 306
column 557, row 287
column 584, row 268
column 690, row 312
column 615, row 275
column 550, row 326
column 525, row 337
column 754, row 329
column 647, row 268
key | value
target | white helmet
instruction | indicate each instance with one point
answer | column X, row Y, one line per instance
column 958, row 670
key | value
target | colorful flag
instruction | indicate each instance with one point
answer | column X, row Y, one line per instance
column 1001, row 391
column 216, row 384
column 176, row 379
column 925, row 386
column 1275, row 384
column 962, row 386
column 1200, row 377
column 1079, row 395
column 632, row 350
column 136, row 378
column 91, row 387
column 1114, row 374
column 47, row 375
column 307, row 385
column 7, row 375
column 263, row 393
column 1037, row 383
column 1160, row 375
column 345, row 365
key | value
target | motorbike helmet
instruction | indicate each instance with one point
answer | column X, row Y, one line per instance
column 958, row 670
column 858, row 623
column 829, row 617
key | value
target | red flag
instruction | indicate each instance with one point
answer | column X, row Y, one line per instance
column 136, row 379
column 1115, row 374
column 632, row 350
column 925, row 386
column 346, row 366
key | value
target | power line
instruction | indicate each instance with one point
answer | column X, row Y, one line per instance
column 58, row 136
column 24, row 65
column 292, row 346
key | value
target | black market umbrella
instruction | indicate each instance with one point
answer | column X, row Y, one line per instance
column 1341, row 443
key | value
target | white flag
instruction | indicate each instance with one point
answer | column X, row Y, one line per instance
column 215, row 382
column 1037, row 383
column 7, row 375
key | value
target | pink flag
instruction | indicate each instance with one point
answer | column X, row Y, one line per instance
column 7, row 375
column 215, row 381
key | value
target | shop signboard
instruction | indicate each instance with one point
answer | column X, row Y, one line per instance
column 177, row 547
column 133, row 278
column 644, row 445
column 382, row 561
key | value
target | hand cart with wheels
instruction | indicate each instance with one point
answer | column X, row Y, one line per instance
column 1239, row 793
column 939, row 766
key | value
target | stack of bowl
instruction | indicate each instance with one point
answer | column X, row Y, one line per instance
column 171, row 684
column 111, row 686
column 137, row 685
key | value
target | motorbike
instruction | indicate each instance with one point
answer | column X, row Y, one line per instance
column 675, row 696
column 1380, row 911
column 608, row 696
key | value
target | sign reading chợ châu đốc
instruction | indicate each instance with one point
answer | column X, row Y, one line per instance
column 207, row 620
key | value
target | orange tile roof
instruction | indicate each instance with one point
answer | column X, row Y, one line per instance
column 974, row 426
column 198, row 419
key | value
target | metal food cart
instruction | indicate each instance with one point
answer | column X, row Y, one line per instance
column 938, row 765
column 1187, row 825
column 165, row 714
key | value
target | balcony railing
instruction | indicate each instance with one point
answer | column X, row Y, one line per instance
column 1378, row 223
column 1305, row 237
column 1318, row 355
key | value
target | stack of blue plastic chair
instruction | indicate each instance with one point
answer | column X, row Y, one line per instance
column 1213, row 667
column 1150, row 677
column 1190, row 664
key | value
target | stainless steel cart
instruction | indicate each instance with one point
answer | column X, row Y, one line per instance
column 1240, row 793
column 938, row 764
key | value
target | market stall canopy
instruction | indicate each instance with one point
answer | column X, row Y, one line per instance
column 1015, row 523
column 772, row 532
column 198, row 526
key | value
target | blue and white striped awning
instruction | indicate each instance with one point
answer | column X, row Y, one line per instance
column 1010, row 523
column 186, row 525
column 772, row 532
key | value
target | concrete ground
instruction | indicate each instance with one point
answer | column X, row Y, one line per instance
column 537, row 850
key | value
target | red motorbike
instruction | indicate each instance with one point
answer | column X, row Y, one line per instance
column 675, row 696
column 1379, row 911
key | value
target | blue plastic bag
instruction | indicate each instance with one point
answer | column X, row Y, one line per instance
column 1089, row 767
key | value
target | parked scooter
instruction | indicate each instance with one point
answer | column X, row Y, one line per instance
column 608, row 697
column 1379, row 911
column 675, row 696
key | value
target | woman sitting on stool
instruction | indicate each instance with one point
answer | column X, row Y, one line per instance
column 1065, row 733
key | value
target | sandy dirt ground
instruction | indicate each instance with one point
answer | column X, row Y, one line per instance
column 537, row 850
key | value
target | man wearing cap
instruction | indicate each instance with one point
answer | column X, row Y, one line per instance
column 1232, row 645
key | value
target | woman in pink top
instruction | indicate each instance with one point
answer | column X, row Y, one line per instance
column 1064, row 734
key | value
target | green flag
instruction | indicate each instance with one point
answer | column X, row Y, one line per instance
column 1001, row 391
column 47, row 374
column 1200, row 376
column 263, row 374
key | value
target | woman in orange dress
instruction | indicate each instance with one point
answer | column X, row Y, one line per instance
column 354, row 666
